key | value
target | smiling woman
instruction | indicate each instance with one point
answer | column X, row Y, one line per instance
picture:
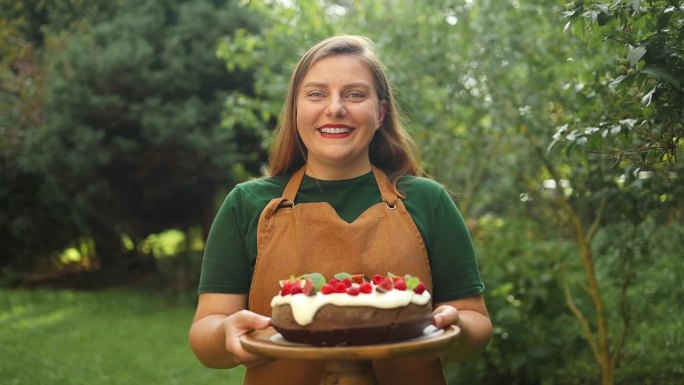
column 343, row 194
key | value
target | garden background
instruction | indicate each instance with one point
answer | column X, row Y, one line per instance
column 556, row 125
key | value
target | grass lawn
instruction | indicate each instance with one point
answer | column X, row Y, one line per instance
column 114, row 336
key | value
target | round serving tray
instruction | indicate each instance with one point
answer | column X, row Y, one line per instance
column 268, row 342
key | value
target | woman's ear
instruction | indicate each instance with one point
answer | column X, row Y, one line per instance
column 382, row 113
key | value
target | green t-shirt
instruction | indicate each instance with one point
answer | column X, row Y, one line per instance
column 231, row 251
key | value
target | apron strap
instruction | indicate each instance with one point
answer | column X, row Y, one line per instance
column 385, row 187
column 293, row 185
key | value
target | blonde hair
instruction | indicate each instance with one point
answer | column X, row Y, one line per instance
column 391, row 149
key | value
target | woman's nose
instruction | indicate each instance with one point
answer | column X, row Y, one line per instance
column 336, row 107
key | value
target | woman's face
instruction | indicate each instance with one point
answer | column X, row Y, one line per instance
column 338, row 112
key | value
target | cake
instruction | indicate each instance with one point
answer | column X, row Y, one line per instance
column 351, row 309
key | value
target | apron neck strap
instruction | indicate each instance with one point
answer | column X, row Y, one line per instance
column 388, row 196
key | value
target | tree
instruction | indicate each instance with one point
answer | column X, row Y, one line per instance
column 131, row 137
column 623, row 145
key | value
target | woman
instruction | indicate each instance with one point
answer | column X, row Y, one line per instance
column 342, row 195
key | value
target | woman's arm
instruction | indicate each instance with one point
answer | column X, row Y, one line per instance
column 470, row 314
column 219, row 322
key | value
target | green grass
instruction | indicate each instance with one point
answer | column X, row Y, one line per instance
column 115, row 336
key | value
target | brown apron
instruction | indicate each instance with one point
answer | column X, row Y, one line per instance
column 311, row 237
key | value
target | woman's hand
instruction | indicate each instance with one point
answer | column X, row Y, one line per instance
column 220, row 321
column 444, row 316
column 470, row 315
column 239, row 324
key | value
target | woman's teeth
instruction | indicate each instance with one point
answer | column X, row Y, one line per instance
column 335, row 130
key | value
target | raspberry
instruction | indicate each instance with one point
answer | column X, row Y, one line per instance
column 366, row 288
column 420, row 288
column 354, row 290
column 327, row 289
column 348, row 282
column 400, row 284
column 340, row 287
column 333, row 281
column 377, row 278
column 296, row 289
column 287, row 289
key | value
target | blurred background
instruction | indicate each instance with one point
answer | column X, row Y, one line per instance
column 555, row 124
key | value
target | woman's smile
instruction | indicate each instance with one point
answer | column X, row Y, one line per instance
column 334, row 131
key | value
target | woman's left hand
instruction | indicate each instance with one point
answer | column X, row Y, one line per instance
column 444, row 316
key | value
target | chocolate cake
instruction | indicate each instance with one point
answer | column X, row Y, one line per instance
column 351, row 309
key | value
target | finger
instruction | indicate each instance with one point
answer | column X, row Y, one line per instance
column 246, row 321
column 444, row 316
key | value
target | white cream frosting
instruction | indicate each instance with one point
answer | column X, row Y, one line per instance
column 304, row 307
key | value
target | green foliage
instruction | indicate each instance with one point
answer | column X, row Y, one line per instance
column 130, row 140
column 644, row 97
column 119, row 337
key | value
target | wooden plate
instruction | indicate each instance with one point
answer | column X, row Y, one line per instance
column 268, row 342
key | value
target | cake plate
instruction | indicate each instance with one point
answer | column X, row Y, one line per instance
column 347, row 365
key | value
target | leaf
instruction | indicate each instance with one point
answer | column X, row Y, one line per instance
column 412, row 283
column 635, row 54
column 317, row 279
column 647, row 98
column 661, row 74
column 614, row 84
column 341, row 276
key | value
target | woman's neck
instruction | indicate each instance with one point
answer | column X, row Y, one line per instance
column 336, row 173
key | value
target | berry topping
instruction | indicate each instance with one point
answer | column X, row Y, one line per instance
column 358, row 278
column 296, row 289
column 287, row 289
column 377, row 278
column 420, row 288
column 327, row 289
column 385, row 285
column 333, row 281
column 366, row 288
column 307, row 286
column 340, row 287
column 400, row 284
column 347, row 281
column 354, row 290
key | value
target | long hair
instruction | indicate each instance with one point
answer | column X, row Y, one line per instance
column 391, row 149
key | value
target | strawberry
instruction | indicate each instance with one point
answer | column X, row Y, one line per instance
column 327, row 289
column 296, row 289
column 385, row 285
column 354, row 290
column 307, row 286
column 366, row 288
column 340, row 287
column 400, row 284
column 358, row 278
column 420, row 288
column 377, row 278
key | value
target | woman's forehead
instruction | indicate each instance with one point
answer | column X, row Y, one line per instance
column 339, row 69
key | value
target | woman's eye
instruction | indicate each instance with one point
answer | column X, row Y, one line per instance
column 315, row 94
column 356, row 95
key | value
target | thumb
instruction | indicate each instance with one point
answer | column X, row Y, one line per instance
column 248, row 320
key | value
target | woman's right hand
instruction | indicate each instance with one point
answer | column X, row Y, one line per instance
column 220, row 321
column 239, row 324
